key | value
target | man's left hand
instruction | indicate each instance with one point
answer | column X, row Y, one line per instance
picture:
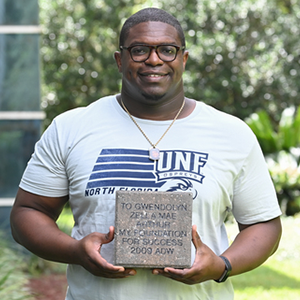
column 207, row 265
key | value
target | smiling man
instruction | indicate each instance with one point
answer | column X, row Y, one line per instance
column 152, row 61
column 150, row 137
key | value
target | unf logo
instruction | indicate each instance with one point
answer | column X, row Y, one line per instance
column 181, row 164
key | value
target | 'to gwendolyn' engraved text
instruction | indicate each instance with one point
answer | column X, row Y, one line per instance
column 152, row 206
column 162, row 211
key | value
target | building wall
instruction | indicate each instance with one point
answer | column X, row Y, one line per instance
column 20, row 115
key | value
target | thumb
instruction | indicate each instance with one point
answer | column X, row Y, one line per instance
column 109, row 236
column 196, row 238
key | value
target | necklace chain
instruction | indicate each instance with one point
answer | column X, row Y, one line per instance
column 141, row 130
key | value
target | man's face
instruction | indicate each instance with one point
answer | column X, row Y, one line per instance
column 153, row 79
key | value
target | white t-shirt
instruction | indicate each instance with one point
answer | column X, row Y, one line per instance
column 90, row 153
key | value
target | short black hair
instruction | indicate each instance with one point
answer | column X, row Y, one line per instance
column 150, row 14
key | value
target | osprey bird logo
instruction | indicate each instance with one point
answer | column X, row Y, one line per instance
column 178, row 185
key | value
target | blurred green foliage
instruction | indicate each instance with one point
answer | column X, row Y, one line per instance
column 12, row 276
column 273, row 138
column 244, row 55
column 281, row 146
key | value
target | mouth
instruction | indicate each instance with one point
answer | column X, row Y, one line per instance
column 153, row 76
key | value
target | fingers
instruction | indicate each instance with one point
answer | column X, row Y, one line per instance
column 185, row 276
column 110, row 271
column 105, row 269
column 89, row 255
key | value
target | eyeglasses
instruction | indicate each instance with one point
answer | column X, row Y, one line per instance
column 140, row 53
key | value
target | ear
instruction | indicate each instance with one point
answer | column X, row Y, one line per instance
column 118, row 60
column 185, row 58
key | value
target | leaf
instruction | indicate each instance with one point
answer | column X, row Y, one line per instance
column 262, row 127
column 4, row 279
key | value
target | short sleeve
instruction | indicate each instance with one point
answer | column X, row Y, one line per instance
column 254, row 198
column 45, row 173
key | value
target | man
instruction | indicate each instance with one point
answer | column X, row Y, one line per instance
column 87, row 154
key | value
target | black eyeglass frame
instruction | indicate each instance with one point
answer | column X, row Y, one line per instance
column 178, row 48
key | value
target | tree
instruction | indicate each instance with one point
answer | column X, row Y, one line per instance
column 244, row 55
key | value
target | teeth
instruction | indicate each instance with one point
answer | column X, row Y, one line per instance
column 154, row 75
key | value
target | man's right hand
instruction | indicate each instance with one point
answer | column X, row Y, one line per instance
column 88, row 249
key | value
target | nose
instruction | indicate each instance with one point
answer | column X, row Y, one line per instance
column 153, row 58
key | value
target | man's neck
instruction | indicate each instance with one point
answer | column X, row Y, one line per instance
column 156, row 110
